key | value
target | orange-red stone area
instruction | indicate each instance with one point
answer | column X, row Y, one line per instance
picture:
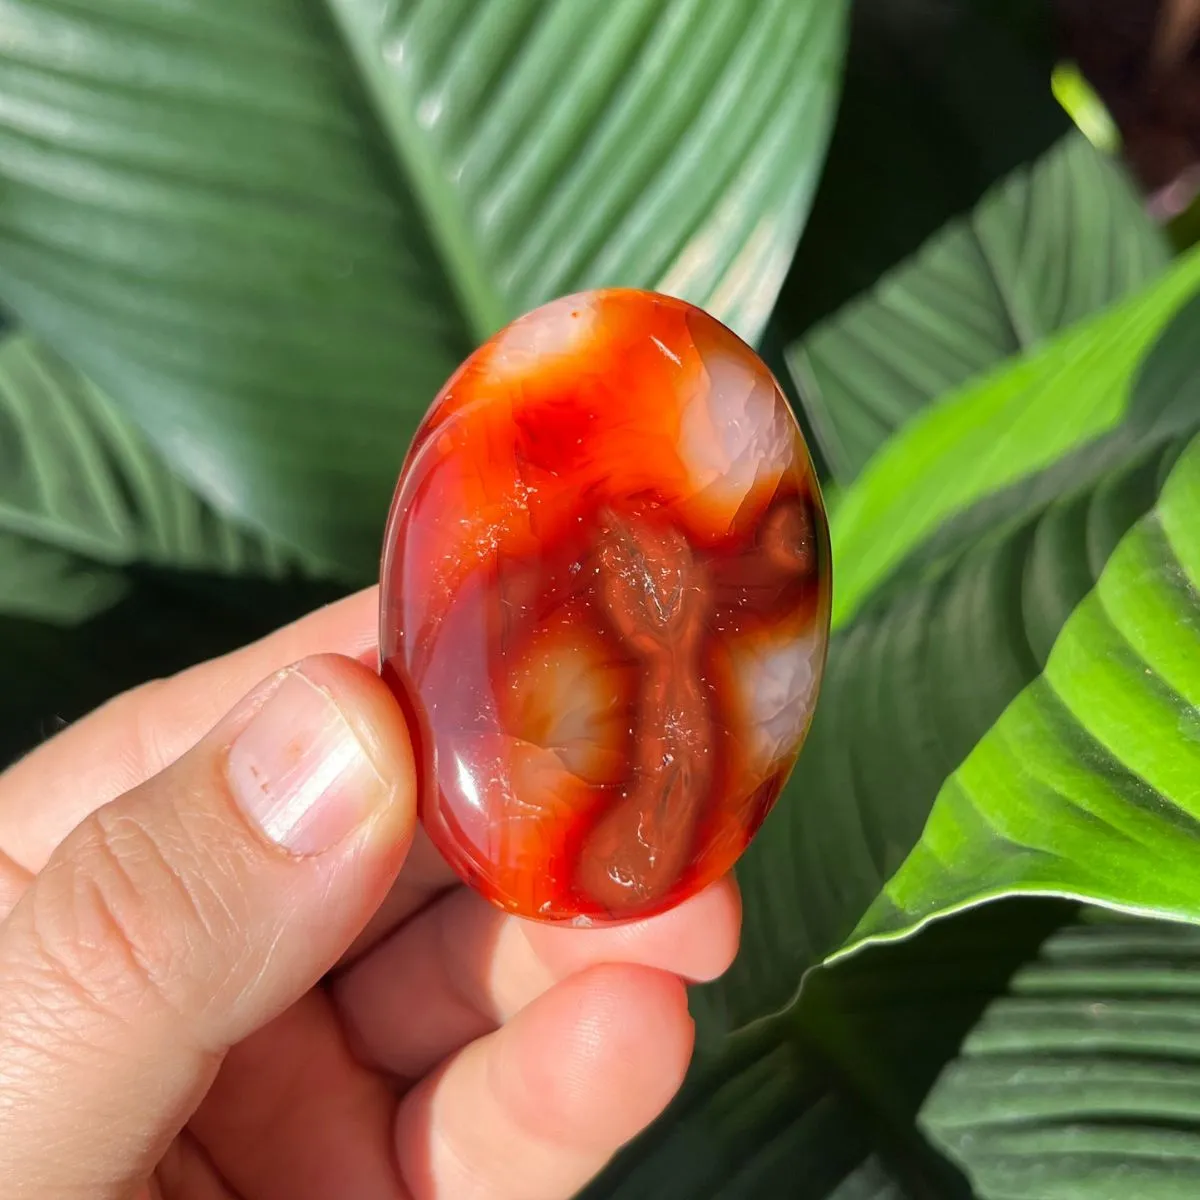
column 605, row 606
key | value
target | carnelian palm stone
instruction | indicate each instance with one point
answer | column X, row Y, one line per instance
column 605, row 606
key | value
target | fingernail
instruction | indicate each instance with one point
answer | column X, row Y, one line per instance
column 299, row 772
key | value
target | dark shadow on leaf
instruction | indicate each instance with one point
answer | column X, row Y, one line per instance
column 51, row 675
column 941, row 99
column 893, row 1017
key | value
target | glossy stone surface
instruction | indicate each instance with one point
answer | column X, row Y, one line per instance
column 605, row 606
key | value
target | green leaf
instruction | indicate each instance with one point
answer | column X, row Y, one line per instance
column 1089, row 783
column 82, row 492
column 45, row 583
column 1085, row 107
column 272, row 230
column 48, row 584
column 1044, row 1056
column 996, row 433
column 1053, row 244
column 112, row 570
column 1083, row 1081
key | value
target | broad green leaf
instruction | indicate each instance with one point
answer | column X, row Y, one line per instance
column 83, row 492
column 1055, row 243
column 996, row 433
column 1083, row 1081
column 272, row 230
column 1045, row 1057
column 112, row 570
column 1089, row 783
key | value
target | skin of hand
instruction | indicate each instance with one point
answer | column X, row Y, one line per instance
column 231, row 966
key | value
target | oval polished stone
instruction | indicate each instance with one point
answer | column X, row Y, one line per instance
column 605, row 606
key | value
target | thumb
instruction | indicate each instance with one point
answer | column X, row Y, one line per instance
column 181, row 917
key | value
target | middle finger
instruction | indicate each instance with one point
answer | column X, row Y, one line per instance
column 462, row 967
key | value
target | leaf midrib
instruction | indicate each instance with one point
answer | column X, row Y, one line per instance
column 483, row 306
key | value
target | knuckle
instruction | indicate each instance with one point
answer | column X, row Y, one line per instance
column 121, row 919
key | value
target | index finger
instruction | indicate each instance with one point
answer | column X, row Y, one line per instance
column 139, row 733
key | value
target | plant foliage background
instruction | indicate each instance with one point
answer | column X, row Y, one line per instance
column 242, row 245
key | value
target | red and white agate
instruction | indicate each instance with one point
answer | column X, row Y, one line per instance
column 605, row 606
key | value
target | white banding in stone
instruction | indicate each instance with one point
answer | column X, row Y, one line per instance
column 776, row 680
column 566, row 696
column 558, row 329
column 735, row 432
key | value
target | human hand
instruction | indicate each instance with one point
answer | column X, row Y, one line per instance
column 190, row 1010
